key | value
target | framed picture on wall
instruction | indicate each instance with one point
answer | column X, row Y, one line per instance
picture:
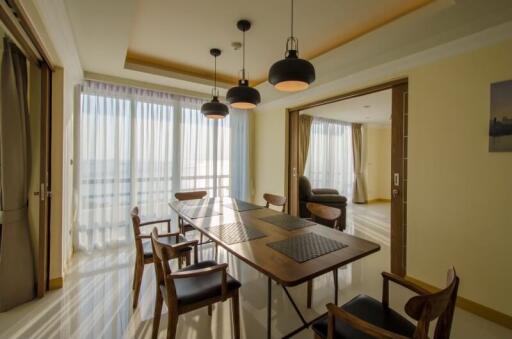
column 500, row 124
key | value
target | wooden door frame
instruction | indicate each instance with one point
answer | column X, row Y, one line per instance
column 21, row 28
column 399, row 165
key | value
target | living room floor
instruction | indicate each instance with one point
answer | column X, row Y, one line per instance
column 372, row 221
column 97, row 297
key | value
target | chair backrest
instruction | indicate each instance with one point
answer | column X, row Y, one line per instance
column 136, row 230
column 304, row 188
column 428, row 307
column 274, row 199
column 190, row 195
column 162, row 253
column 324, row 215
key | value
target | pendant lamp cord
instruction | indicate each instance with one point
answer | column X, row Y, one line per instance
column 292, row 22
column 243, row 56
column 215, row 77
column 291, row 43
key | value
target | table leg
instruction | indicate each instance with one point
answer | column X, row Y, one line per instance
column 335, row 274
column 269, row 308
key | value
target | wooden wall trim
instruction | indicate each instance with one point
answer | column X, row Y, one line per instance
column 56, row 283
column 480, row 310
column 32, row 33
column 18, row 33
column 352, row 94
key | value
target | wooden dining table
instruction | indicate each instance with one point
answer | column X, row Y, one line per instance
column 246, row 231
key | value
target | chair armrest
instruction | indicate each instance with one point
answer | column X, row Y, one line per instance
column 161, row 235
column 185, row 244
column 205, row 271
column 324, row 191
column 400, row 281
column 162, row 221
column 357, row 323
column 405, row 283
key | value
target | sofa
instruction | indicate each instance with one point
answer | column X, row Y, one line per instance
column 324, row 196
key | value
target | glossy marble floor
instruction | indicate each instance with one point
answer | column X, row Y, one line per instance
column 96, row 299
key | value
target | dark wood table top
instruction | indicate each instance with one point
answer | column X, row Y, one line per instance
column 263, row 258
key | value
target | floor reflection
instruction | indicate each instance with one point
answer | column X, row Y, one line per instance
column 96, row 300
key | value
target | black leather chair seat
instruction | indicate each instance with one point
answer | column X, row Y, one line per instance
column 370, row 310
column 148, row 250
column 196, row 289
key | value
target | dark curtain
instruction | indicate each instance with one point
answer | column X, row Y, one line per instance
column 16, row 259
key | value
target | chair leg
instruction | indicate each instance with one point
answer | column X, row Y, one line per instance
column 138, row 282
column 216, row 251
column 180, row 262
column 135, row 273
column 210, row 310
column 157, row 314
column 172, row 325
column 310, row 292
column 236, row 315
column 187, row 259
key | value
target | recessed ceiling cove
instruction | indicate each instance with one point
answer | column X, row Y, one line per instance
column 173, row 37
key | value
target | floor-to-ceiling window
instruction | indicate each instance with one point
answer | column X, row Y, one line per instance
column 329, row 162
column 139, row 147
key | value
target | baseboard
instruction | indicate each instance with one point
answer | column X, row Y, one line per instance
column 472, row 306
column 378, row 200
column 56, row 283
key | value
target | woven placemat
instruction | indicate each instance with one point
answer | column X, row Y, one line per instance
column 287, row 221
column 241, row 206
column 306, row 246
column 201, row 211
column 233, row 233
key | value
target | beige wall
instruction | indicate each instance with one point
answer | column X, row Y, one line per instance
column 378, row 161
column 459, row 194
column 269, row 153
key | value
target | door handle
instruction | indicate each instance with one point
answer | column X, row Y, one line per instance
column 395, row 192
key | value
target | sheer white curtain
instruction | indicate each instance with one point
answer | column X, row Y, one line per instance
column 330, row 162
column 239, row 148
column 205, row 153
column 104, row 166
column 139, row 147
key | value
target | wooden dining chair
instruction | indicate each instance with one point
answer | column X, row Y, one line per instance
column 327, row 216
column 144, row 251
column 324, row 215
column 198, row 285
column 365, row 317
column 184, row 196
column 275, row 200
column 186, row 227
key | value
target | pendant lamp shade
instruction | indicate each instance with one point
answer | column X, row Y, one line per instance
column 215, row 109
column 292, row 73
column 243, row 96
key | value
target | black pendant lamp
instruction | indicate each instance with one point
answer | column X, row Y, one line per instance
column 291, row 74
column 215, row 109
column 243, row 96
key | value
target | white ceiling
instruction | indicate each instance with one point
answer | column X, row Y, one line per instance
column 183, row 32
column 374, row 108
